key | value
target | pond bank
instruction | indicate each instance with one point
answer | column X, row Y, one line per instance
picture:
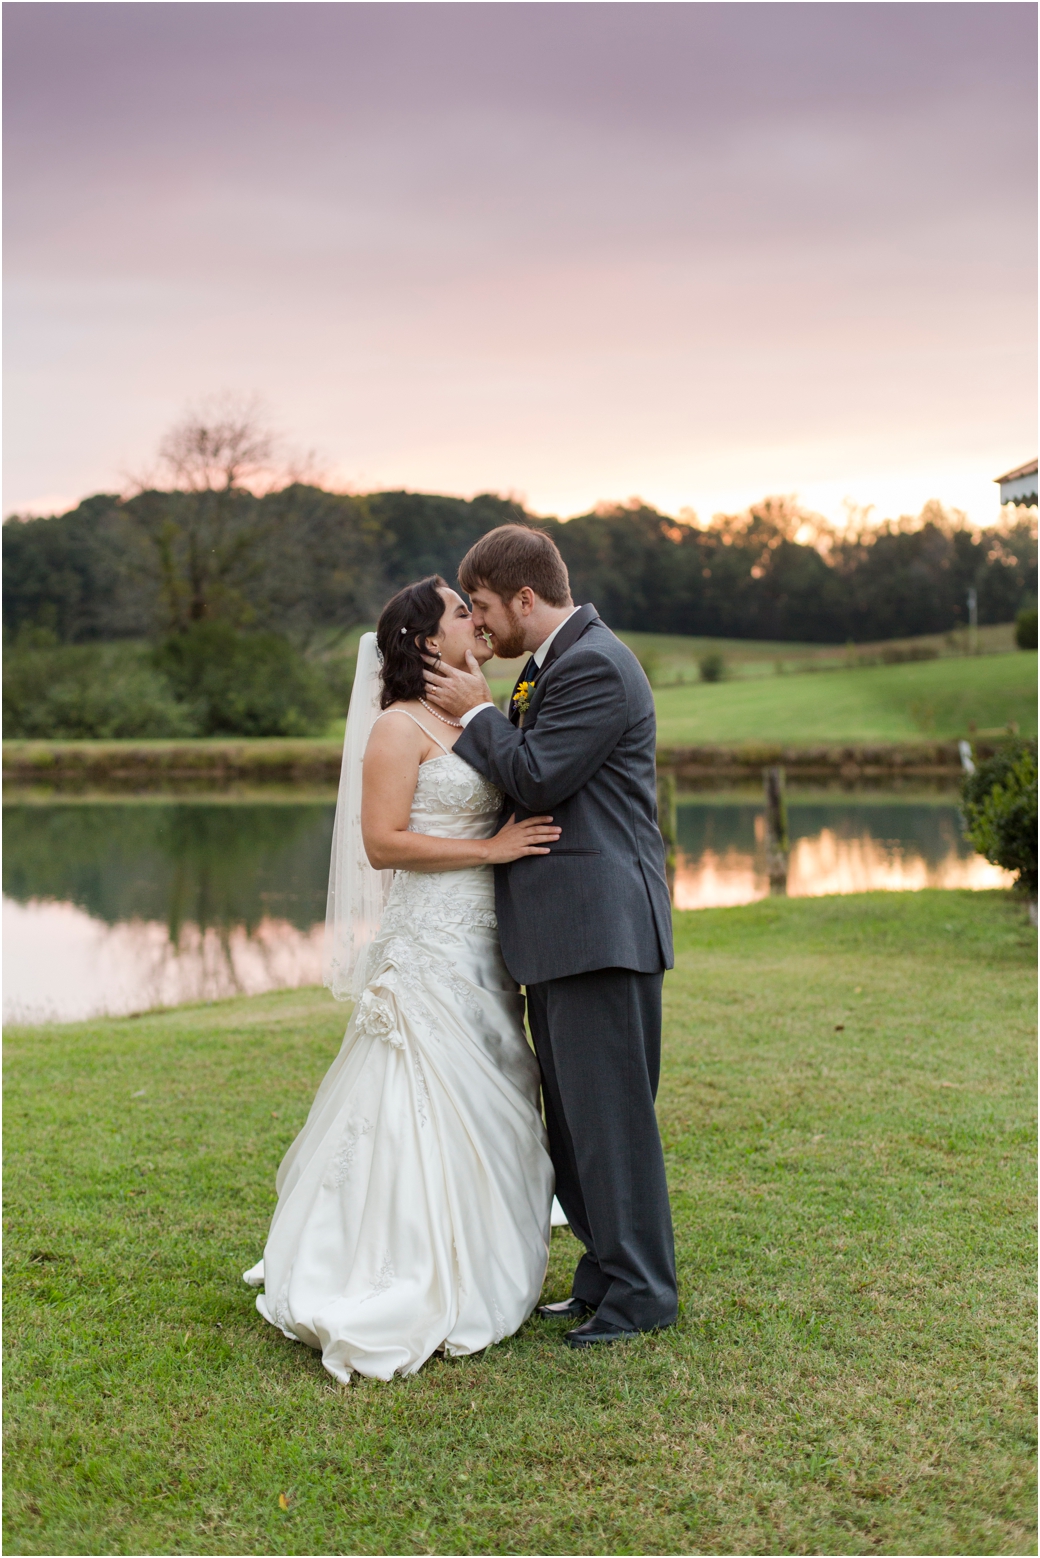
column 150, row 765
column 720, row 766
column 145, row 765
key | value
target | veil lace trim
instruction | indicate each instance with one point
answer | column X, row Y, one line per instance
column 357, row 893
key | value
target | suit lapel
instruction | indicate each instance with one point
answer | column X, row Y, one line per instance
column 569, row 634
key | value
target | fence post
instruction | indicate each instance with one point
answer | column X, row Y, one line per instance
column 973, row 622
column 777, row 842
column 668, row 822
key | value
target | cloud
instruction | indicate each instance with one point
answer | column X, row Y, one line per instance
column 576, row 250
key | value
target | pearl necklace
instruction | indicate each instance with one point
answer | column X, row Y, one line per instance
column 456, row 724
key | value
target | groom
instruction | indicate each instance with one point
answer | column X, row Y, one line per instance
column 587, row 928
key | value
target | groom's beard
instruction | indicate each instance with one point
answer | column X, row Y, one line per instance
column 510, row 646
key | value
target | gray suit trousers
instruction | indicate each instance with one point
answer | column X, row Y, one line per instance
column 598, row 1040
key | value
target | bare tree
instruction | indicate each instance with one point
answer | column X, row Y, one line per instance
column 202, row 521
column 223, row 444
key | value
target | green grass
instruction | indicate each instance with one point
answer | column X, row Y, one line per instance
column 674, row 658
column 847, row 1108
column 935, row 698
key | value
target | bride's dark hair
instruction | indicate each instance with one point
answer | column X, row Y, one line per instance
column 406, row 622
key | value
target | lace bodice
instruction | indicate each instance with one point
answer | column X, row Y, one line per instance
column 453, row 801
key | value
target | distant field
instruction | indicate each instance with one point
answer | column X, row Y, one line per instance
column 671, row 659
column 939, row 698
column 791, row 692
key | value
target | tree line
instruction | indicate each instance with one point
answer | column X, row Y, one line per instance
column 310, row 564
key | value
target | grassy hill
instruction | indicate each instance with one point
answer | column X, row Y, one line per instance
column 937, row 698
column 786, row 692
column 670, row 658
column 778, row 692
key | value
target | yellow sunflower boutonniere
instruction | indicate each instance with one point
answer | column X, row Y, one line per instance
column 522, row 697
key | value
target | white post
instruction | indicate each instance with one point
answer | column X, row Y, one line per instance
column 973, row 622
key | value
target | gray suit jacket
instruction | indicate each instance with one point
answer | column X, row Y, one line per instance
column 585, row 753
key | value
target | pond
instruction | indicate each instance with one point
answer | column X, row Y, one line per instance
column 115, row 907
column 851, row 844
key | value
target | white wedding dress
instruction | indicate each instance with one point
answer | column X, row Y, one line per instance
column 414, row 1206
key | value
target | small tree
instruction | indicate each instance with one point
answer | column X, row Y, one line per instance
column 244, row 684
column 999, row 806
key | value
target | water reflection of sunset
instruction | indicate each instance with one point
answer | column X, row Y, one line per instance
column 61, row 964
column 120, row 908
column 827, row 863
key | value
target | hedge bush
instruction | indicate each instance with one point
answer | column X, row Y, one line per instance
column 244, row 684
column 999, row 805
column 210, row 681
column 1025, row 629
column 75, row 692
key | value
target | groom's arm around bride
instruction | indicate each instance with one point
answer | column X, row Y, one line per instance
column 587, row 928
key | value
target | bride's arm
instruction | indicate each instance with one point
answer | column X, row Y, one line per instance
column 390, row 772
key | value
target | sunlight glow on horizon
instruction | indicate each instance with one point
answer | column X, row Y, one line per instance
column 893, row 498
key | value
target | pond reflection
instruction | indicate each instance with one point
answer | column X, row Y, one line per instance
column 61, row 964
column 836, row 847
column 116, row 907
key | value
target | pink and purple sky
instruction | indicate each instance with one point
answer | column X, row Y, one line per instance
column 574, row 252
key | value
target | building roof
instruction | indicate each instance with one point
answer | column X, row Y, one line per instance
column 1029, row 469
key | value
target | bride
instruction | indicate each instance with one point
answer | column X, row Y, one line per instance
column 414, row 1206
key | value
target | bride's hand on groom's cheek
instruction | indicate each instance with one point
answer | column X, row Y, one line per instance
column 454, row 691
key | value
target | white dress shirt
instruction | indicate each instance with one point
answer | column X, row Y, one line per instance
column 539, row 660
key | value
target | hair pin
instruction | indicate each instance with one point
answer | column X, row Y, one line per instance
column 403, row 631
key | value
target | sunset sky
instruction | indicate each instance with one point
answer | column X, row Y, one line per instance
column 695, row 252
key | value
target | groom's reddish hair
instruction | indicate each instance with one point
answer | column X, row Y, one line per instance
column 511, row 556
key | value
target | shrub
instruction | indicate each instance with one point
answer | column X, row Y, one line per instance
column 1025, row 629
column 244, row 684
column 339, row 677
column 712, row 667
column 999, row 805
column 650, row 661
column 72, row 692
column 907, row 654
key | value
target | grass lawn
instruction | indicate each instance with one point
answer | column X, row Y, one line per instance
column 674, row 658
column 847, row 1105
column 937, row 698
column 671, row 659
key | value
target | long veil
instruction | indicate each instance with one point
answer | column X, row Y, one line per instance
column 357, row 893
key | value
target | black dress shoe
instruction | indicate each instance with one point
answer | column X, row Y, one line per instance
column 569, row 1309
column 594, row 1331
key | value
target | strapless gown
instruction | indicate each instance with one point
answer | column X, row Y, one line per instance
column 414, row 1206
